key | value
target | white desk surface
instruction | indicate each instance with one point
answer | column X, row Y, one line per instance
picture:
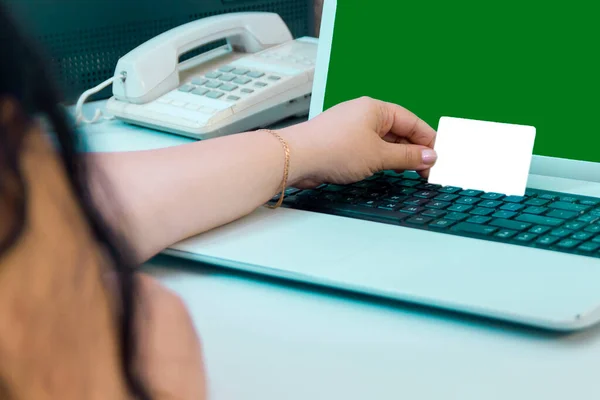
column 270, row 340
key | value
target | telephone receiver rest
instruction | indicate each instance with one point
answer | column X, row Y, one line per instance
column 150, row 70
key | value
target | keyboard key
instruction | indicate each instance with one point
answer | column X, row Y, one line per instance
column 582, row 236
column 447, row 197
column 547, row 240
column 589, row 247
column 226, row 78
column 567, row 206
column 513, row 199
column 389, row 206
column 274, row 78
column 561, row 214
column 456, row 216
column 255, row 74
column 505, row 233
column 260, row 84
column 593, row 228
column 504, row 214
column 246, row 90
column 535, row 210
column 428, row 186
column 596, row 239
column 459, row 208
column 471, row 193
column 411, row 209
column 449, row 189
column 481, row 211
column 539, row 220
column 490, row 203
column 512, row 207
column 568, row 199
column 478, row 219
column 416, row 202
column 474, row 228
column 568, row 243
column 437, row 204
column 539, row 230
column 233, row 98
column 334, row 188
column 492, row 196
column 368, row 203
column 213, row 75
column 404, row 191
column 408, row 183
column 589, row 202
column 226, row 68
column 561, row 232
column 588, row 218
column 575, row 225
column 536, row 202
column 240, row 71
column 395, row 198
column 509, row 224
column 433, row 213
column 467, row 200
column 424, row 194
column 548, row 197
column 595, row 212
column 525, row 237
column 442, row 224
column 419, row 220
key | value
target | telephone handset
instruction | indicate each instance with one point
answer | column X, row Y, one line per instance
column 262, row 75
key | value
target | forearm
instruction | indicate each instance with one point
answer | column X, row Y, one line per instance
column 170, row 194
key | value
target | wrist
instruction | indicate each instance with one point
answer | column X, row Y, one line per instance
column 303, row 157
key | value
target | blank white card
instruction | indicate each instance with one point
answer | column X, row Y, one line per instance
column 482, row 155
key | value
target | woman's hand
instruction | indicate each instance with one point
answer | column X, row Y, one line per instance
column 355, row 139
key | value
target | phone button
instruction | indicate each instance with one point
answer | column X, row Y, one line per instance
column 213, row 94
column 227, row 68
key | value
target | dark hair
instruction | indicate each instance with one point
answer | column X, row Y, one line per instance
column 24, row 80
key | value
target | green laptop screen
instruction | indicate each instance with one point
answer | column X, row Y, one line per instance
column 527, row 62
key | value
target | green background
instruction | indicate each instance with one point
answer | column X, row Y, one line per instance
column 526, row 62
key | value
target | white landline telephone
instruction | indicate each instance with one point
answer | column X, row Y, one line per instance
column 261, row 76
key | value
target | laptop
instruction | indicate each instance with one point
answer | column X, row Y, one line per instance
column 532, row 259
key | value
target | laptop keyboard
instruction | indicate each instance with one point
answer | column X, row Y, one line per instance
column 542, row 219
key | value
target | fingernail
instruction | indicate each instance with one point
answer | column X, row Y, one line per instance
column 429, row 156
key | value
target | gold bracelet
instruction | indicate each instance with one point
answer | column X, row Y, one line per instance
column 286, row 167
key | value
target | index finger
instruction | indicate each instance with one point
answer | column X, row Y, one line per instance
column 403, row 123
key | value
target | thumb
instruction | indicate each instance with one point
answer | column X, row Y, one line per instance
column 401, row 156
